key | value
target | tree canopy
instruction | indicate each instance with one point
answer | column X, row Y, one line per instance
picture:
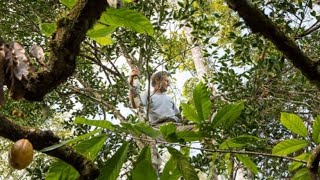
column 251, row 84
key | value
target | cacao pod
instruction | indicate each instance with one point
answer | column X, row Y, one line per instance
column 21, row 154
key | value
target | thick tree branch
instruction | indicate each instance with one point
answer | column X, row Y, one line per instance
column 64, row 48
column 41, row 139
column 313, row 163
column 260, row 23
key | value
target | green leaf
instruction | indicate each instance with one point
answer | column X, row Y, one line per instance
column 289, row 146
column 69, row 3
column 239, row 142
column 183, row 165
column 127, row 18
column 170, row 171
column 104, row 41
column 189, row 136
column 143, row 166
column 70, row 141
column 228, row 114
column 100, row 30
column 127, row 127
column 169, row 133
column 228, row 163
column 294, row 123
column 61, row 170
column 146, row 129
column 99, row 123
column 185, row 151
column 316, row 130
column 302, row 174
column 168, row 129
column 48, row 28
column 202, row 102
column 296, row 165
column 113, row 166
column 190, row 113
column 88, row 148
column 293, row 166
column 246, row 161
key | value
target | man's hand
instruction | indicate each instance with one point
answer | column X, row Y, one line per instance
column 133, row 75
column 135, row 72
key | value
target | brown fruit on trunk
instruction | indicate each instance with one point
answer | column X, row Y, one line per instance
column 21, row 154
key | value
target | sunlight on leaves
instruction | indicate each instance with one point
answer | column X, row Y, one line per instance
column 289, row 146
column 294, row 123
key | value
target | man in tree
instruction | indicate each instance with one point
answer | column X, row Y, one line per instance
column 162, row 108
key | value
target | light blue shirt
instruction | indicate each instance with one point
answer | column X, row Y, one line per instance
column 161, row 107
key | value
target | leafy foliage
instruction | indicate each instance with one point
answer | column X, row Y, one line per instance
column 248, row 163
column 294, row 123
column 90, row 148
column 252, row 83
column 183, row 165
column 143, row 166
column 113, row 166
column 228, row 114
column 289, row 146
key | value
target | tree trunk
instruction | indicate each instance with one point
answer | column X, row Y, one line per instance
column 196, row 53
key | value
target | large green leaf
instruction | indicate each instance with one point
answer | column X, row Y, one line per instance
column 302, row 174
column 100, row 30
column 246, row 161
column 168, row 131
column 296, row 165
column 70, row 141
column 113, row 166
column 294, row 123
column 183, row 165
column 104, row 41
column 316, row 130
column 48, row 28
column 189, row 136
column 143, row 166
column 239, row 142
column 127, row 18
column 128, row 127
column 68, row 3
column 170, row 171
column 89, row 148
column 228, row 114
column 289, row 146
column 146, row 129
column 202, row 102
column 61, row 170
column 99, row 123
column 190, row 113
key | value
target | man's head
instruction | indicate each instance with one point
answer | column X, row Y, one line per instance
column 160, row 81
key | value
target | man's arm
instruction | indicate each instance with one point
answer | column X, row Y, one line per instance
column 133, row 81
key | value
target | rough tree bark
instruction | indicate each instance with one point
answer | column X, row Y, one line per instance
column 64, row 48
